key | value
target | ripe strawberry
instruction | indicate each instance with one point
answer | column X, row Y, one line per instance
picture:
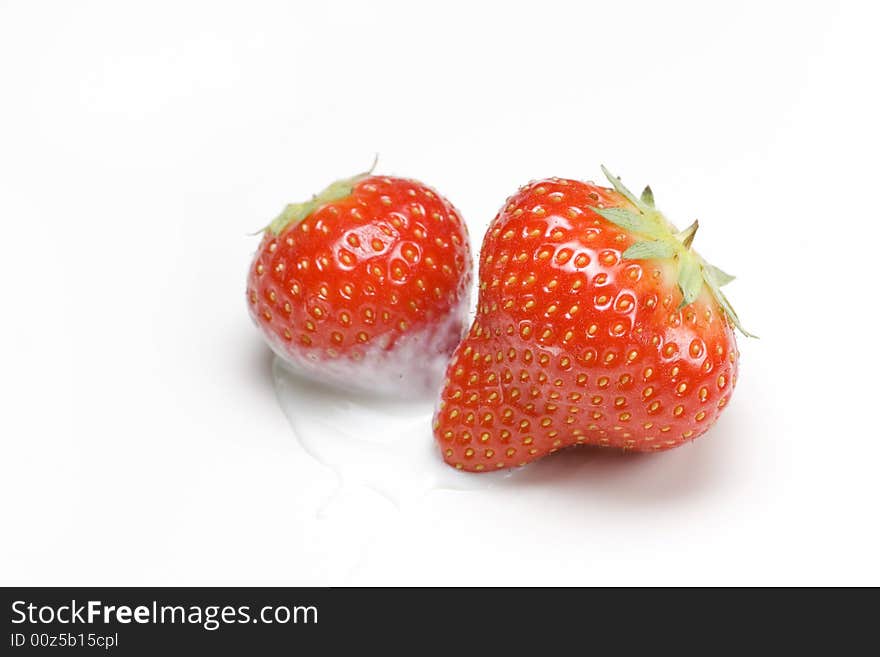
column 596, row 325
column 366, row 285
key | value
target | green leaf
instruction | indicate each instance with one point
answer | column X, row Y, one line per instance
column 619, row 186
column 686, row 237
column 335, row 191
column 626, row 219
column 722, row 300
column 728, row 309
column 664, row 241
column 652, row 249
column 690, row 278
column 719, row 277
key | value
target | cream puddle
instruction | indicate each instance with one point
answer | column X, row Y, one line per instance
column 379, row 443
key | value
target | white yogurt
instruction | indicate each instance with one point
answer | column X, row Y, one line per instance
column 383, row 444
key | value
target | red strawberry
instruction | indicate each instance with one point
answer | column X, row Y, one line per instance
column 596, row 325
column 366, row 285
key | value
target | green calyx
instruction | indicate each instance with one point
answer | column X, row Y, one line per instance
column 660, row 240
column 293, row 213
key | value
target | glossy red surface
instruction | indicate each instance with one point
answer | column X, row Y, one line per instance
column 358, row 274
column 574, row 345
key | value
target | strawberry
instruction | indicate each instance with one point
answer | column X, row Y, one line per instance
column 597, row 324
column 366, row 285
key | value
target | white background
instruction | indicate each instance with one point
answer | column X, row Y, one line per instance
column 140, row 143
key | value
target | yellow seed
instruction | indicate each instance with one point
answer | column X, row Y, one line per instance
column 563, row 256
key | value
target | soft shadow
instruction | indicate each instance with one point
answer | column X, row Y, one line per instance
column 592, row 473
column 260, row 359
